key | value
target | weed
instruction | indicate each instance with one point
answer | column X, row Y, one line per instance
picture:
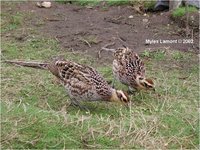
column 145, row 4
column 84, row 3
column 117, row 2
column 177, row 55
column 150, row 4
column 80, row 2
column 158, row 55
column 179, row 12
column 96, row 2
column 146, row 53
column 11, row 23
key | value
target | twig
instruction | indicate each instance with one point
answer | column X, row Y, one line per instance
column 54, row 19
column 109, row 44
column 121, row 39
column 87, row 42
column 106, row 49
column 56, row 39
column 83, row 40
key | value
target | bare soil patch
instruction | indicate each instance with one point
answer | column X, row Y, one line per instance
column 85, row 29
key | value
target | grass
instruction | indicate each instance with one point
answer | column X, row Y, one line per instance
column 35, row 111
column 118, row 2
column 179, row 12
column 96, row 2
column 13, row 22
column 147, row 4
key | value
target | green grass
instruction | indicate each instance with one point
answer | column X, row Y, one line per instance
column 179, row 12
column 96, row 2
column 35, row 111
column 11, row 23
column 86, row 2
column 146, row 4
column 150, row 4
column 118, row 2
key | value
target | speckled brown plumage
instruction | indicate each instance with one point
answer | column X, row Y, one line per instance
column 81, row 82
column 129, row 69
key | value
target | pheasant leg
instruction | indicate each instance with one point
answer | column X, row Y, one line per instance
column 76, row 103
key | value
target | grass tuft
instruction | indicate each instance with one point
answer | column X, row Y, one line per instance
column 96, row 2
column 179, row 12
column 117, row 2
column 11, row 23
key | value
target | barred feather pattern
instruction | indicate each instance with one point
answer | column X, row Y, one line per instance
column 81, row 82
column 127, row 65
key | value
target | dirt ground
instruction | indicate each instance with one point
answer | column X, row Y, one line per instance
column 88, row 29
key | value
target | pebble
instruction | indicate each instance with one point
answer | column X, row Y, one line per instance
column 130, row 17
column 145, row 20
column 44, row 4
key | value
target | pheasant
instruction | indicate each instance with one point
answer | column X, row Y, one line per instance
column 129, row 69
column 80, row 81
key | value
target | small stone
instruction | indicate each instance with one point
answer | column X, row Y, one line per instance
column 154, row 16
column 192, row 18
column 145, row 14
column 130, row 17
column 44, row 4
column 166, row 144
column 145, row 20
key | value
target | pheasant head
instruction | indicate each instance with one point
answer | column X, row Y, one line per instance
column 120, row 97
column 145, row 83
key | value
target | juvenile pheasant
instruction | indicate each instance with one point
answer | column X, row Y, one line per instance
column 129, row 69
column 81, row 82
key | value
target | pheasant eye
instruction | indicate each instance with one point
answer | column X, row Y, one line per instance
column 141, row 78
